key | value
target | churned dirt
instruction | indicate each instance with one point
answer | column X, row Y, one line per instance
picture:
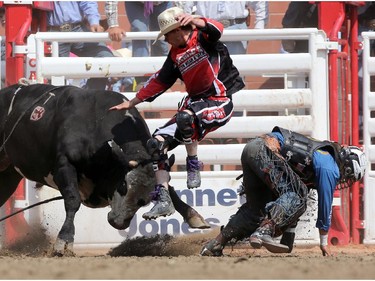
column 178, row 258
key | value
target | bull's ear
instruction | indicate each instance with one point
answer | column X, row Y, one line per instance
column 133, row 164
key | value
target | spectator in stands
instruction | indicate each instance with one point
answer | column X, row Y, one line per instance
column 142, row 16
column 366, row 17
column 115, row 32
column 299, row 14
column 124, row 84
column 70, row 16
column 203, row 62
column 233, row 15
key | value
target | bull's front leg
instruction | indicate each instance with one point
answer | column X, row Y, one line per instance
column 9, row 180
column 190, row 215
column 66, row 180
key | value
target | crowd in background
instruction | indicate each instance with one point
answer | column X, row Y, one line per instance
column 83, row 16
column 142, row 16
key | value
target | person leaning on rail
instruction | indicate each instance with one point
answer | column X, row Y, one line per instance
column 70, row 16
column 115, row 32
column 234, row 15
column 279, row 169
column 203, row 62
column 299, row 14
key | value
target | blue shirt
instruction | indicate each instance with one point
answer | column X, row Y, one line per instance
column 73, row 12
column 327, row 175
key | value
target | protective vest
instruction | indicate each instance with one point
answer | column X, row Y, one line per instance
column 298, row 151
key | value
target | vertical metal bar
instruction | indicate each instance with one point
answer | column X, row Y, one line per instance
column 355, row 212
column 16, row 28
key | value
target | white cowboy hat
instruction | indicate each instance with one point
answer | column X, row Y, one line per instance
column 124, row 52
column 167, row 21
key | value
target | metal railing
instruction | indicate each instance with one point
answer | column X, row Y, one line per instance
column 368, row 63
column 307, row 101
column 313, row 65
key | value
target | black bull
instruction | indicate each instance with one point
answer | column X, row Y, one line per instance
column 65, row 137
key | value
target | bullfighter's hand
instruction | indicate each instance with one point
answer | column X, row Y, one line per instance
column 123, row 105
column 186, row 19
column 126, row 104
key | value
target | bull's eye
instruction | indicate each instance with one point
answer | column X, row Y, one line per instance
column 122, row 189
column 141, row 202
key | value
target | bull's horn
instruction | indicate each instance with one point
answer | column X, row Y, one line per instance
column 133, row 164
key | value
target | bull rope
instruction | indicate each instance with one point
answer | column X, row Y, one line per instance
column 31, row 206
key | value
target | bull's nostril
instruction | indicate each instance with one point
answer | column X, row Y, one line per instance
column 141, row 202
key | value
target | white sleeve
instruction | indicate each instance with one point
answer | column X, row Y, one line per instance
column 111, row 12
column 260, row 9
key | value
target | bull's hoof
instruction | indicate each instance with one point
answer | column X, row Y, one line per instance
column 62, row 249
column 195, row 220
column 66, row 253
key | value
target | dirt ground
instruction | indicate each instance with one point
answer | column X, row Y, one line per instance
column 178, row 258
